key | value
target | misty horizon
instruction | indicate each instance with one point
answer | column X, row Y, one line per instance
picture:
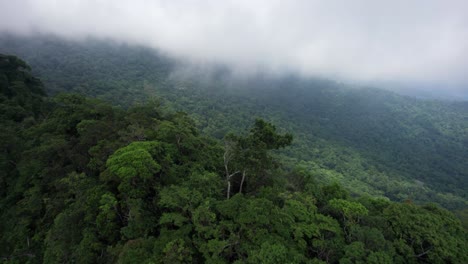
column 411, row 47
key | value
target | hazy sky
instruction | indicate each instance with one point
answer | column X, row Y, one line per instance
column 413, row 42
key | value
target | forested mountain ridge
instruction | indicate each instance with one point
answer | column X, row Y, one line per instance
column 372, row 141
column 86, row 182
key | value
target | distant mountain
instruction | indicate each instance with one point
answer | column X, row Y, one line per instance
column 372, row 141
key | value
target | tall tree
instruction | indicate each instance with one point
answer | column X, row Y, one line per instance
column 249, row 155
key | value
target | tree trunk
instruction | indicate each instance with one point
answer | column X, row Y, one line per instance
column 242, row 182
column 227, row 157
column 229, row 189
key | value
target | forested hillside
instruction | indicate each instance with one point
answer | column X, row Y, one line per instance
column 86, row 182
column 371, row 141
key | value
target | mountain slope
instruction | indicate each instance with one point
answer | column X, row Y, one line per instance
column 86, row 182
column 373, row 141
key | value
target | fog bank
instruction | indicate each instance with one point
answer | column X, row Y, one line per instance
column 417, row 43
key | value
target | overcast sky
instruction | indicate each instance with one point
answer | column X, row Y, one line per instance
column 421, row 42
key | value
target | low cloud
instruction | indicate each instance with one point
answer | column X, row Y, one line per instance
column 418, row 42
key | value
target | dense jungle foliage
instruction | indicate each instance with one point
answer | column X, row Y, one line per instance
column 372, row 142
column 85, row 182
column 129, row 179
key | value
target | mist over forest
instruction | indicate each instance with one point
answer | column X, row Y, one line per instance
column 418, row 47
column 233, row 132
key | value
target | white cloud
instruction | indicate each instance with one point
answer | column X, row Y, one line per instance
column 409, row 41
